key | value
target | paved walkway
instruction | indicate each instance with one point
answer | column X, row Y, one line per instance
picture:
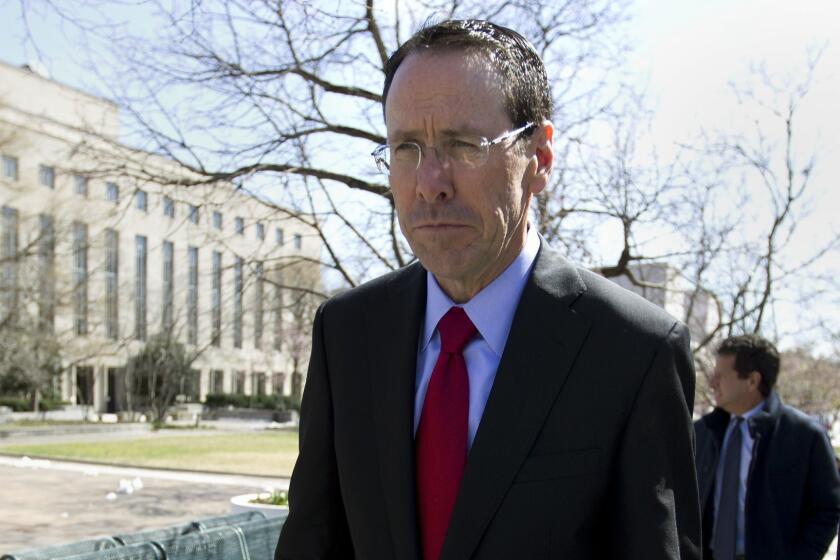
column 54, row 502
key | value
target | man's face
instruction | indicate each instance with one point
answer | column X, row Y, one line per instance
column 465, row 225
column 734, row 394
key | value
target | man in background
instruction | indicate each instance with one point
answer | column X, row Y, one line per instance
column 769, row 486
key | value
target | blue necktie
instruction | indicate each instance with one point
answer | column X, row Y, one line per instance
column 726, row 522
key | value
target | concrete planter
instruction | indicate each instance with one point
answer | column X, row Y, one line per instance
column 242, row 503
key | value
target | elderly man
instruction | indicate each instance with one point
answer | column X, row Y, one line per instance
column 491, row 400
column 768, row 482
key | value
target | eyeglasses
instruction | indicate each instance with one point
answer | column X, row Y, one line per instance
column 460, row 152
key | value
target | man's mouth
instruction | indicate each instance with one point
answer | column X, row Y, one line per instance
column 441, row 226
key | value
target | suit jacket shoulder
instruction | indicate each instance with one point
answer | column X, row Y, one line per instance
column 409, row 281
column 630, row 312
column 802, row 421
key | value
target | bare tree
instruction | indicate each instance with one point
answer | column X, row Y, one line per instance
column 299, row 306
column 30, row 347
column 699, row 210
column 283, row 99
column 809, row 382
column 156, row 375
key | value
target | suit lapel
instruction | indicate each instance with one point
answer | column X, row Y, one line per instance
column 543, row 343
column 393, row 329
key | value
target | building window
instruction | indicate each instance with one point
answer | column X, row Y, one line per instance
column 46, row 272
column 278, row 313
column 239, row 224
column 239, row 385
column 260, row 231
column 46, row 175
column 298, row 241
column 10, row 167
column 112, row 192
column 141, row 200
column 140, row 292
column 192, row 295
column 10, row 259
column 216, row 301
column 238, row 290
column 278, row 235
column 190, row 385
column 84, row 385
column 259, row 290
column 217, row 219
column 81, row 185
column 80, row 277
column 112, row 267
column 258, row 384
column 193, row 214
column 217, row 382
column 168, row 207
column 167, row 313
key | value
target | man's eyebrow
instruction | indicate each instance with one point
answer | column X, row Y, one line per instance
column 404, row 134
column 416, row 134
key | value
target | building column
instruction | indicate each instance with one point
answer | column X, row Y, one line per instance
column 203, row 383
column 68, row 387
column 100, row 389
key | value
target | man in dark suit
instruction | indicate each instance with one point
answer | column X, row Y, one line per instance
column 490, row 401
column 768, row 483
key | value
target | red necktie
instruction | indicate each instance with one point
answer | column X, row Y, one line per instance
column 441, row 440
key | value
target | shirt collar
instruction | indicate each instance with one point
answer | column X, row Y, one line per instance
column 491, row 310
column 751, row 412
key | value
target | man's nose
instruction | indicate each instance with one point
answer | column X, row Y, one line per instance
column 434, row 183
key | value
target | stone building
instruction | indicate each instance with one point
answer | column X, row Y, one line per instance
column 99, row 254
column 665, row 286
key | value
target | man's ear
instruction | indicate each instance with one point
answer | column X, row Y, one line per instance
column 542, row 140
column 755, row 380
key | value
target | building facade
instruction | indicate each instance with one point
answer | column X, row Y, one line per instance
column 664, row 285
column 100, row 254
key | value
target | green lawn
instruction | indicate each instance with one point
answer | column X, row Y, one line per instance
column 271, row 454
column 42, row 423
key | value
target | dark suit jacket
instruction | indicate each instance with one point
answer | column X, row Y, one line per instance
column 584, row 451
column 793, row 493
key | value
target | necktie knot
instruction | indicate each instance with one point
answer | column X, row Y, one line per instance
column 455, row 330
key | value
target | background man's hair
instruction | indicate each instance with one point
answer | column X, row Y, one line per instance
column 753, row 353
column 520, row 69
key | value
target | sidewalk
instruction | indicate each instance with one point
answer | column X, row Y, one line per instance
column 54, row 502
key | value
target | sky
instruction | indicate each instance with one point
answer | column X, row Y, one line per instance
column 683, row 54
column 688, row 53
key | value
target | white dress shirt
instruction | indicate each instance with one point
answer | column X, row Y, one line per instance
column 491, row 310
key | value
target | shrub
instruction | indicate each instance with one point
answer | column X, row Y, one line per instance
column 17, row 404
column 47, row 404
column 263, row 402
column 275, row 498
column 23, row 404
column 223, row 400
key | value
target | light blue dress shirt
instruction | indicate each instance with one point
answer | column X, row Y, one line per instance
column 491, row 310
column 747, row 443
